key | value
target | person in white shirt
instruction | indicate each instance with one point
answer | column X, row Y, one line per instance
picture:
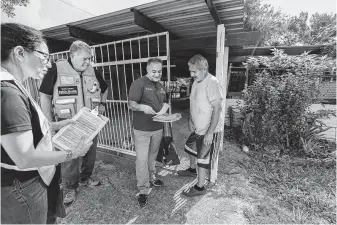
column 206, row 121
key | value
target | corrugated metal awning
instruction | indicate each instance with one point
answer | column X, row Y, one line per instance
column 184, row 18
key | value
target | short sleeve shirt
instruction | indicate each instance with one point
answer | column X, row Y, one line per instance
column 202, row 95
column 144, row 91
column 17, row 114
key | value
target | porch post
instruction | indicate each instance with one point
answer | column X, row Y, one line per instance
column 222, row 76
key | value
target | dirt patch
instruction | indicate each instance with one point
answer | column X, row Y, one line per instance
column 244, row 193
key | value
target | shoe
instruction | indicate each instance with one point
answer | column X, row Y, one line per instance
column 70, row 196
column 156, row 183
column 90, row 182
column 142, row 200
column 194, row 192
column 188, row 173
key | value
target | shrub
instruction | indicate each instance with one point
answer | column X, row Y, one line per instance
column 283, row 89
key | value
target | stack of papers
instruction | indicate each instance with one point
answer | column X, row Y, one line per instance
column 87, row 124
column 167, row 117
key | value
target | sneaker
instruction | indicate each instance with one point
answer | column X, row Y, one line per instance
column 188, row 172
column 90, row 182
column 142, row 200
column 70, row 196
column 194, row 192
column 156, row 183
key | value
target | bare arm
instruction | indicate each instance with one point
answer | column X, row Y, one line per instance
column 20, row 148
column 216, row 104
column 134, row 106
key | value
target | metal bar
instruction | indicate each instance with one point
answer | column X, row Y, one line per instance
column 110, row 114
column 168, row 69
column 133, row 39
column 119, row 134
column 104, row 134
column 123, row 111
column 130, row 61
column 119, row 94
column 121, row 101
column 133, row 76
column 158, row 45
column 121, row 150
column 126, row 108
column 140, row 56
column 148, row 47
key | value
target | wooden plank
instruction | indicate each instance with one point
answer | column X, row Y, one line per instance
column 235, row 39
column 149, row 24
column 214, row 13
column 243, row 38
column 221, row 74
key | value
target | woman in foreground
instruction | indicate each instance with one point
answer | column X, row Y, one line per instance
column 28, row 158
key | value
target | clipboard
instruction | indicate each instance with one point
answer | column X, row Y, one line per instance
column 88, row 123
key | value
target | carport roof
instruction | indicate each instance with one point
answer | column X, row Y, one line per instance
column 182, row 18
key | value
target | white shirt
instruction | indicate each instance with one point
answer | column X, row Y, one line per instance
column 202, row 94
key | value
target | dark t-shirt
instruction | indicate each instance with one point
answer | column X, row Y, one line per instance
column 49, row 80
column 17, row 114
column 144, row 91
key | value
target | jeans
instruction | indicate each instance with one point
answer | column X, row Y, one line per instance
column 147, row 145
column 71, row 174
column 24, row 202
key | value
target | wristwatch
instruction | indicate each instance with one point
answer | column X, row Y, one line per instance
column 103, row 103
column 69, row 155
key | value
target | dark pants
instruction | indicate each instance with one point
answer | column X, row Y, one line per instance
column 24, row 202
column 55, row 198
column 71, row 174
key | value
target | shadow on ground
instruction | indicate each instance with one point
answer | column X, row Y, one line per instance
column 237, row 197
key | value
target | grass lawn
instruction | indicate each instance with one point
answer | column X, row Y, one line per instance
column 251, row 188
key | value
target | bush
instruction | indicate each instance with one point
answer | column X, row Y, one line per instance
column 283, row 89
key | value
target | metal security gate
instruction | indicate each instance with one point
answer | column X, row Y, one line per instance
column 122, row 62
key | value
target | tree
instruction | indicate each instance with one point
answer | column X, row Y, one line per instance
column 278, row 28
column 264, row 18
column 8, row 6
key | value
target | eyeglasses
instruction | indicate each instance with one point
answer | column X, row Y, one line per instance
column 46, row 56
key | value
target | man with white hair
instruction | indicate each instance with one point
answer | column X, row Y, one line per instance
column 206, row 121
column 68, row 86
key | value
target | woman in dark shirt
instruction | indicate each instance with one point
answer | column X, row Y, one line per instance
column 27, row 157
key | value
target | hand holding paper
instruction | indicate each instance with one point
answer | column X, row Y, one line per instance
column 82, row 148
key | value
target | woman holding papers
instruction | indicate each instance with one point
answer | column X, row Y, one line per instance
column 28, row 158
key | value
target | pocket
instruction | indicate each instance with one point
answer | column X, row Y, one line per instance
column 65, row 108
column 26, row 184
column 94, row 102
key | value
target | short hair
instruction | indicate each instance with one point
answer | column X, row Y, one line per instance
column 15, row 34
column 154, row 60
column 199, row 62
column 78, row 45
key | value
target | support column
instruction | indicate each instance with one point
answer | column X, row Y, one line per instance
column 222, row 75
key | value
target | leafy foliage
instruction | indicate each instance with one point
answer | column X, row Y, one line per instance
column 8, row 6
column 278, row 28
column 277, row 101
